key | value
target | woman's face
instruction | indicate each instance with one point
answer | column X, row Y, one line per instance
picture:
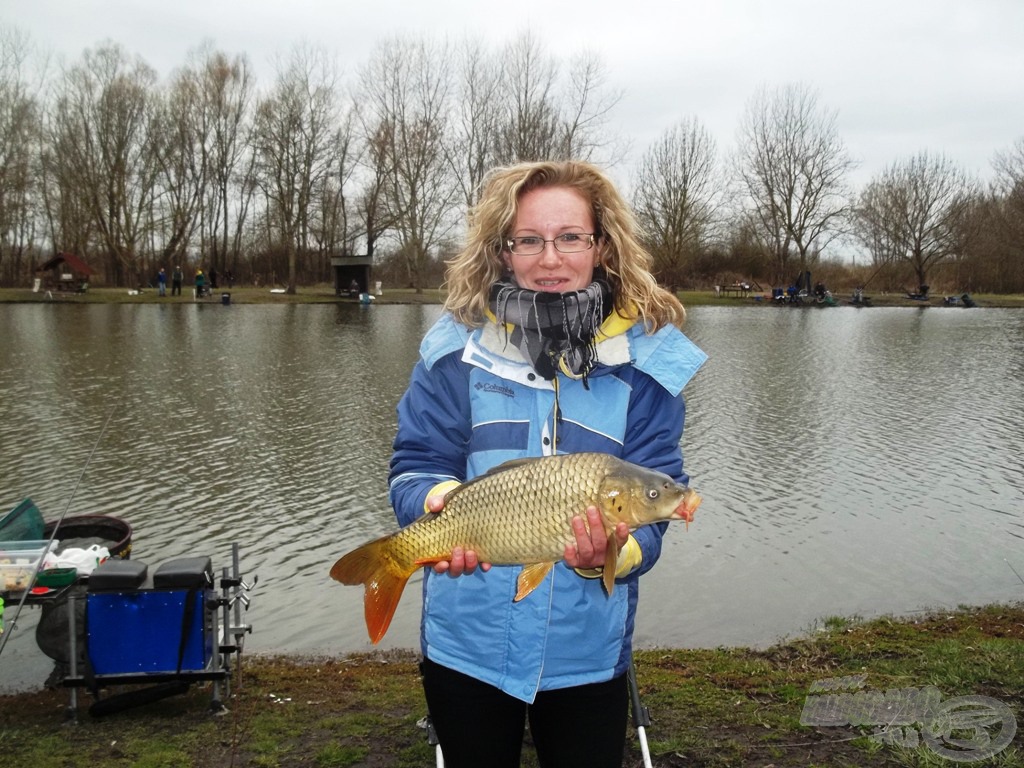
column 546, row 213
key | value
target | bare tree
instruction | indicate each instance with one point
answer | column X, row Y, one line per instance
column 529, row 114
column 330, row 226
column 19, row 137
column 872, row 224
column 677, row 192
column 102, row 152
column 1006, row 253
column 294, row 137
column 792, row 168
column 524, row 104
column 371, row 206
column 917, row 211
column 225, row 85
column 546, row 116
column 472, row 147
column 1009, row 186
column 587, row 105
column 1009, row 167
column 406, row 109
column 178, row 139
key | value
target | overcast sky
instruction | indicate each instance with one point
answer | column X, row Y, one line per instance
column 945, row 76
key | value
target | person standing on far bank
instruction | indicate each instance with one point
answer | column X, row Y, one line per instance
column 555, row 338
column 176, row 277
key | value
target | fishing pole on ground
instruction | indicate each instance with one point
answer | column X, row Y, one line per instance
column 31, row 582
column 1019, row 577
column 641, row 715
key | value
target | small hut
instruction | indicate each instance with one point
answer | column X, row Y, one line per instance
column 65, row 272
column 351, row 269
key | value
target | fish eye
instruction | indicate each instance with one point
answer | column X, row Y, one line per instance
column 653, row 493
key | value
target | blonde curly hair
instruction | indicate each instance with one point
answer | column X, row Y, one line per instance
column 626, row 263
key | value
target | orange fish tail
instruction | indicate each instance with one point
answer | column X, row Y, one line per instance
column 384, row 580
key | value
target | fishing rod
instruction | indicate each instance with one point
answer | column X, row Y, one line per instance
column 641, row 715
column 1019, row 578
column 875, row 273
column 28, row 589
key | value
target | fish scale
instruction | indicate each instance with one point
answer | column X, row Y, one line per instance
column 519, row 513
column 536, row 532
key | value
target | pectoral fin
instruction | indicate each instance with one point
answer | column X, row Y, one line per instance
column 611, row 556
column 530, row 578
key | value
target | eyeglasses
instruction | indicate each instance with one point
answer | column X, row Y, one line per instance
column 531, row 245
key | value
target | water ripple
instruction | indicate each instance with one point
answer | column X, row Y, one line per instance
column 850, row 462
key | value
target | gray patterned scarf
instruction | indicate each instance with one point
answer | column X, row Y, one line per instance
column 554, row 330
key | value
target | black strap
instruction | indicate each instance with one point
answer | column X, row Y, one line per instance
column 187, row 615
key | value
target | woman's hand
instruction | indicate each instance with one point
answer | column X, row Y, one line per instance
column 463, row 560
column 590, row 547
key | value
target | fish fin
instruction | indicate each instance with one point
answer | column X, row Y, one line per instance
column 384, row 580
column 511, row 464
column 530, row 578
column 431, row 560
column 611, row 555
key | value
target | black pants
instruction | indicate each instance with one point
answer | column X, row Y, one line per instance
column 480, row 726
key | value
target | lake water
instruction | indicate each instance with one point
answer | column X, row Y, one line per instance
column 852, row 461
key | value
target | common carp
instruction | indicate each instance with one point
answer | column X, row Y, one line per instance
column 520, row 512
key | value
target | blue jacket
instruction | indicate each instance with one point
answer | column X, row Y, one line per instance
column 474, row 402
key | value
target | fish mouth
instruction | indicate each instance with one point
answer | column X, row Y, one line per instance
column 686, row 508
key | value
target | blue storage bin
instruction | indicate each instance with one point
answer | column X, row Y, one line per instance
column 141, row 629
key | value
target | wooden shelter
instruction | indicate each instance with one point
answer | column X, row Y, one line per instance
column 349, row 269
column 65, row 272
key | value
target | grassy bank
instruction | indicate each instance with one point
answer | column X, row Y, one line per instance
column 324, row 294
column 722, row 707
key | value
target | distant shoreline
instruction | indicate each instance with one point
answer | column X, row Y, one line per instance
column 324, row 294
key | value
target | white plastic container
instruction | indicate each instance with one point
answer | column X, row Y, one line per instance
column 19, row 561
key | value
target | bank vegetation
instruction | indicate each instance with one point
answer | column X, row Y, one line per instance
column 708, row 707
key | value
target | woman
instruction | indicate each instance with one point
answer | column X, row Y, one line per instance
column 556, row 338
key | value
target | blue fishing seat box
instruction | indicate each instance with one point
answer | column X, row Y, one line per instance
column 137, row 623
